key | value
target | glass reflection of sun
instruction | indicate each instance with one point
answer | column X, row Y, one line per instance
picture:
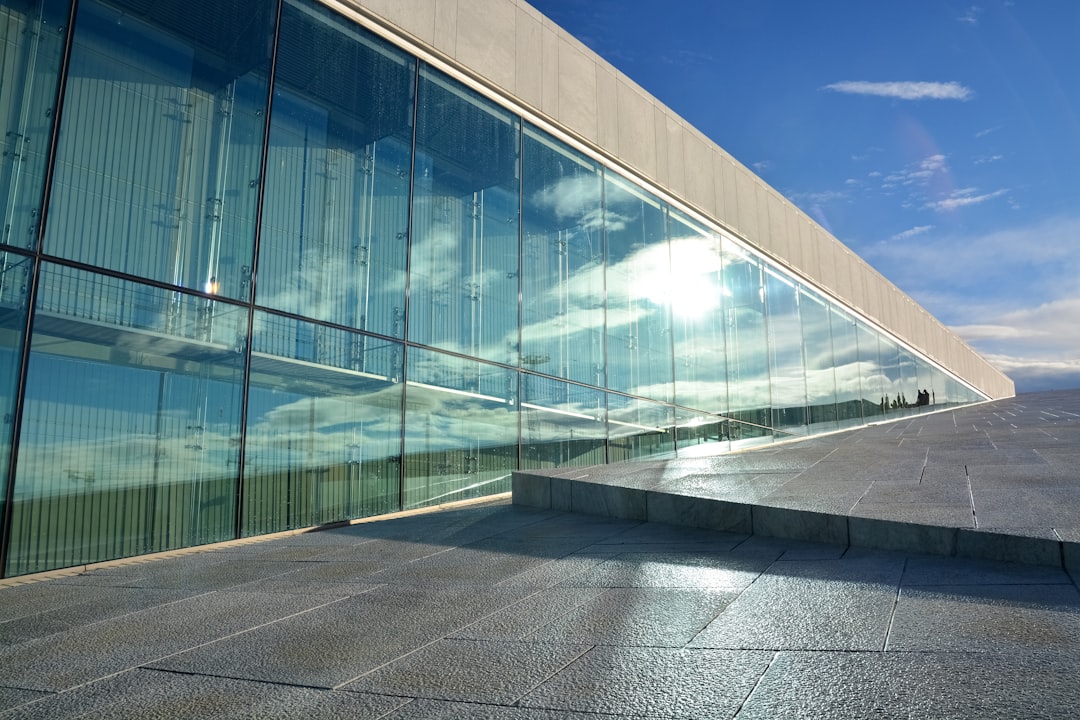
column 692, row 288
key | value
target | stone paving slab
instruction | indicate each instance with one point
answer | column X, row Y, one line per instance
column 856, row 686
column 510, row 612
column 152, row 695
column 996, row 480
column 79, row 655
column 654, row 682
column 338, row 642
column 823, row 605
column 495, row 673
column 625, row 619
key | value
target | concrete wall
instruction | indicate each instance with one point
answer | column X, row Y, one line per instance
column 508, row 46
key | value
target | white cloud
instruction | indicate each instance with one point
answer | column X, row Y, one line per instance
column 918, row 230
column 971, row 15
column 1013, row 294
column 963, row 198
column 966, row 279
column 906, row 90
column 818, row 198
column 918, row 173
column 1033, row 374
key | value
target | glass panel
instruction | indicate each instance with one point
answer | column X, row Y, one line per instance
column 562, row 424
column 324, row 426
column 938, row 385
column 744, row 318
column 641, row 293
column 157, row 170
column 913, row 381
column 787, row 370
column 463, row 285
column 14, row 290
column 563, row 259
column 711, row 432
column 461, row 429
column 337, row 180
column 32, row 35
column 639, row 429
column 131, row 426
column 820, row 368
column 889, row 355
column 871, row 378
column 698, row 294
column 849, row 371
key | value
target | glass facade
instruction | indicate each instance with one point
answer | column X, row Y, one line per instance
column 263, row 270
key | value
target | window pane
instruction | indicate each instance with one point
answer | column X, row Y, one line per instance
column 14, row 288
column 702, row 429
column 563, row 262
column 562, row 424
column 871, row 378
column 850, row 403
column 639, row 429
column 748, row 357
column 641, row 293
column 787, row 370
column 337, row 180
column 889, row 356
column 463, row 291
column 820, row 362
column 324, row 426
column 131, row 426
column 461, row 429
column 157, row 170
column 697, row 285
column 32, row 35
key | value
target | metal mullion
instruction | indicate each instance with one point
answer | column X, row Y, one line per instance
column 250, row 302
column 408, row 282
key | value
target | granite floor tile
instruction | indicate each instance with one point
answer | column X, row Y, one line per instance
column 338, row 642
column 470, row 670
column 93, row 604
column 442, row 710
column 152, row 695
column 648, row 617
column 821, row 605
column 561, row 570
column 197, row 572
column 86, row 653
column 380, row 553
column 522, row 618
column 653, row 682
column 674, row 570
column 1014, row 619
column 910, row 686
column 661, row 534
column 931, row 570
column 471, row 565
column 15, row 697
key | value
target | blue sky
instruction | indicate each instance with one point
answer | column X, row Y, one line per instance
column 939, row 140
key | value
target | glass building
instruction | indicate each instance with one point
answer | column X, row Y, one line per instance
column 270, row 265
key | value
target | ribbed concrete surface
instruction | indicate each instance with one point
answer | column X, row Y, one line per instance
column 997, row 481
column 511, row 612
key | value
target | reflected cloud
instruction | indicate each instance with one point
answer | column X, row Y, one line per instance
column 575, row 201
